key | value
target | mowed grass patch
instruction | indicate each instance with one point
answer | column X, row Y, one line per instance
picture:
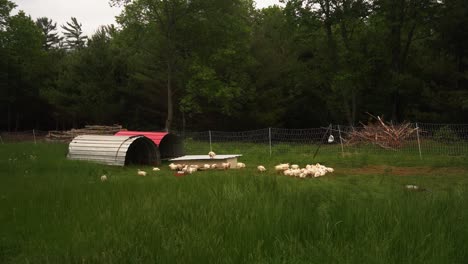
column 58, row 211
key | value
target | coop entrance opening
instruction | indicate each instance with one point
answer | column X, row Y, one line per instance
column 142, row 152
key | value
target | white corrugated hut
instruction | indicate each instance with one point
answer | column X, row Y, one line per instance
column 114, row 150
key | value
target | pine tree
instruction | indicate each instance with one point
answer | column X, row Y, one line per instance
column 48, row 27
column 74, row 38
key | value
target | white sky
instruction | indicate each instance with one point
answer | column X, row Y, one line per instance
column 90, row 13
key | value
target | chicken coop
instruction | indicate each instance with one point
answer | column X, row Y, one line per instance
column 114, row 150
column 169, row 145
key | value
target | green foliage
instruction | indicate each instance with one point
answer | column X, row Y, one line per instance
column 5, row 8
column 21, row 70
column 446, row 134
column 216, row 64
column 87, row 80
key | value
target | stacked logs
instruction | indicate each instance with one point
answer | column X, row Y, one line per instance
column 382, row 134
column 67, row 136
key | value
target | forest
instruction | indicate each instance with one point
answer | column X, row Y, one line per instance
column 226, row 65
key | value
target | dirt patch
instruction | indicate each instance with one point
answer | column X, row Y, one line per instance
column 404, row 171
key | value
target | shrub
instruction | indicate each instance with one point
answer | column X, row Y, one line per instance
column 445, row 134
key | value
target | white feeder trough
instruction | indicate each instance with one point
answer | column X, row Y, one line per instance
column 200, row 160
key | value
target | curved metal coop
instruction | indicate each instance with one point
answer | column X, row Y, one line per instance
column 114, row 150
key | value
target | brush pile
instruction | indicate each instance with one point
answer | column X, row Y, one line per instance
column 382, row 134
column 66, row 136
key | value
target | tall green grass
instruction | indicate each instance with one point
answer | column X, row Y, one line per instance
column 57, row 211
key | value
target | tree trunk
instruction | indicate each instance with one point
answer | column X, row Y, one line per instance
column 461, row 69
column 9, row 117
column 183, row 124
column 329, row 32
column 170, row 107
column 396, row 17
column 353, row 107
column 349, row 105
column 17, row 122
column 347, row 110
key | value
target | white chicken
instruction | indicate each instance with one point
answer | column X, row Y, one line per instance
column 173, row 166
column 211, row 154
column 240, row 165
column 226, row 165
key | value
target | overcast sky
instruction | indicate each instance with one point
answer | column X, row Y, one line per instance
column 90, row 13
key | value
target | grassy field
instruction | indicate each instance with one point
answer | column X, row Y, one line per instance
column 57, row 211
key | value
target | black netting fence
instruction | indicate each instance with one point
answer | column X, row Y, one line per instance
column 426, row 139
column 23, row 136
column 434, row 139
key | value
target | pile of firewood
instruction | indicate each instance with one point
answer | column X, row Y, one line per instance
column 380, row 133
column 88, row 130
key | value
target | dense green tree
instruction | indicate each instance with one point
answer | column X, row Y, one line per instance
column 24, row 59
column 185, row 47
column 273, row 48
column 339, row 40
column 218, row 64
column 444, row 62
column 164, row 22
column 87, row 89
column 5, row 9
column 350, row 82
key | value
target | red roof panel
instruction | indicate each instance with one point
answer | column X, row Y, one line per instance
column 156, row 137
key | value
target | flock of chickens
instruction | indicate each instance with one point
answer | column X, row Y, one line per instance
column 293, row 170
